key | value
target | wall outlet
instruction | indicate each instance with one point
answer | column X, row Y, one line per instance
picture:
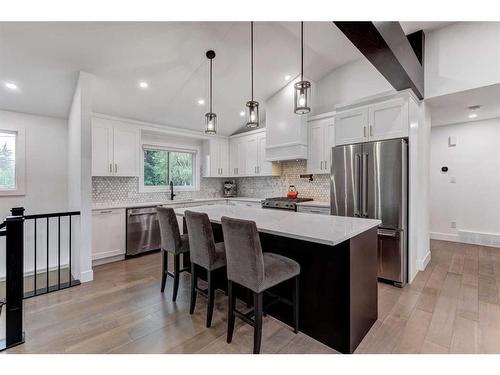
column 453, row 224
column 452, row 141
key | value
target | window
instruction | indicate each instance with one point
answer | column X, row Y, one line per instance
column 7, row 160
column 12, row 161
column 162, row 165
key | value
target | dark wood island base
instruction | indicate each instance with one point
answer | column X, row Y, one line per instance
column 338, row 287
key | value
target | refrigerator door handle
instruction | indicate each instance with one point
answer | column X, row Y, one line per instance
column 364, row 187
column 357, row 170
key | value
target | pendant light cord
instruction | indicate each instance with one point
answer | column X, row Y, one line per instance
column 302, row 51
column 211, row 85
column 251, row 53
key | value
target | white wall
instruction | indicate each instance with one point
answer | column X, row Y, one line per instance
column 349, row 82
column 80, row 173
column 46, row 183
column 462, row 56
column 473, row 201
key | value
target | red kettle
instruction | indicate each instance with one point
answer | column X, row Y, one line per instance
column 292, row 192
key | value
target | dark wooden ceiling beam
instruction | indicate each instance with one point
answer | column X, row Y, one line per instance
column 386, row 46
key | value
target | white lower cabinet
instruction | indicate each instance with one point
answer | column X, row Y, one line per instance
column 108, row 233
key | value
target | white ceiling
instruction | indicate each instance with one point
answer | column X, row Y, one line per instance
column 43, row 59
column 453, row 108
column 412, row 26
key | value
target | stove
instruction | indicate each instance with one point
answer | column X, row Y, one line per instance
column 283, row 203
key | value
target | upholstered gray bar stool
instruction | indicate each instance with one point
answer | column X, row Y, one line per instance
column 206, row 253
column 249, row 267
column 171, row 242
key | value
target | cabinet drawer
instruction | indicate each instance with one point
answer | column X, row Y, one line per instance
column 314, row 210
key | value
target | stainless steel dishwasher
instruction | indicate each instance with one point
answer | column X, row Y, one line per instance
column 143, row 230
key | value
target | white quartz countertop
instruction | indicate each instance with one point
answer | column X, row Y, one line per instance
column 325, row 229
column 116, row 205
column 314, row 204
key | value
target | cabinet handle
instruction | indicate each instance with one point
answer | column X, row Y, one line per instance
column 105, row 212
column 116, row 168
column 321, row 165
column 110, row 168
column 371, row 131
column 364, row 131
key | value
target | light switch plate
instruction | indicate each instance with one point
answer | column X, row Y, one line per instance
column 453, row 179
column 453, row 224
column 452, row 141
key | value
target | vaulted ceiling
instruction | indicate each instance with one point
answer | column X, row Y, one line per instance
column 43, row 59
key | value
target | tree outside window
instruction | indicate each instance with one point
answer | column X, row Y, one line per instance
column 161, row 167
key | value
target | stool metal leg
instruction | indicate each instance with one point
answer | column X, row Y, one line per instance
column 257, row 333
column 177, row 259
column 164, row 269
column 193, row 288
column 210, row 295
column 230, row 311
column 296, row 305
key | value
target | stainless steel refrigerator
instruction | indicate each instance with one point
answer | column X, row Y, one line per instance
column 370, row 180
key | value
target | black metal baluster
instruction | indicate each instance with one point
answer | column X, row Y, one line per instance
column 48, row 254
column 34, row 269
column 58, row 252
column 70, row 250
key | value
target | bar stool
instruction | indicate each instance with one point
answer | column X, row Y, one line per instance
column 205, row 253
column 257, row 271
column 171, row 242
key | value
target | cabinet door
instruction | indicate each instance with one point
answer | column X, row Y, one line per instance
column 351, row 126
column 125, row 146
column 316, row 146
column 108, row 233
column 223, row 157
column 234, row 157
column 264, row 168
column 388, row 120
column 213, row 158
column 251, row 155
column 329, row 131
column 102, row 149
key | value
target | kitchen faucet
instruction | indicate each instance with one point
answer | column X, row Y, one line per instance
column 172, row 195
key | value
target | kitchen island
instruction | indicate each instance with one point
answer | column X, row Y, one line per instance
column 338, row 260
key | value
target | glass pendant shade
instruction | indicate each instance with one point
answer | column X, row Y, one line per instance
column 302, row 97
column 252, row 114
column 210, row 123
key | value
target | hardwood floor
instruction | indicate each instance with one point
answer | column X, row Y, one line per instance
column 451, row 307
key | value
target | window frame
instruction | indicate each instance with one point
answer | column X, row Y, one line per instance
column 170, row 148
column 20, row 160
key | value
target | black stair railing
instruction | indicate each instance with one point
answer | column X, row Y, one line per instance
column 14, row 231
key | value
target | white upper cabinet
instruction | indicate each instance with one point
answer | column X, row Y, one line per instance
column 389, row 119
column 216, row 158
column 374, row 122
column 237, row 165
column 286, row 131
column 321, row 140
column 114, row 148
column 248, row 155
column 352, row 126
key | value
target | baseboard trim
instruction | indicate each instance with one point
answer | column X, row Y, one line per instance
column 422, row 264
column 469, row 237
column 444, row 236
column 86, row 276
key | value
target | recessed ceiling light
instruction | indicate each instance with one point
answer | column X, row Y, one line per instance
column 287, row 77
column 472, row 115
column 242, row 113
column 143, row 85
column 11, row 85
column 201, row 101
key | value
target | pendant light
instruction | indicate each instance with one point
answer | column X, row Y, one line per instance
column 302, row 88
column 252, row 105
column 210, row 117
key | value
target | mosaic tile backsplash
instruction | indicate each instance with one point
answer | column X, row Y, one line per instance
column 126, row 189
column 267, row 187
